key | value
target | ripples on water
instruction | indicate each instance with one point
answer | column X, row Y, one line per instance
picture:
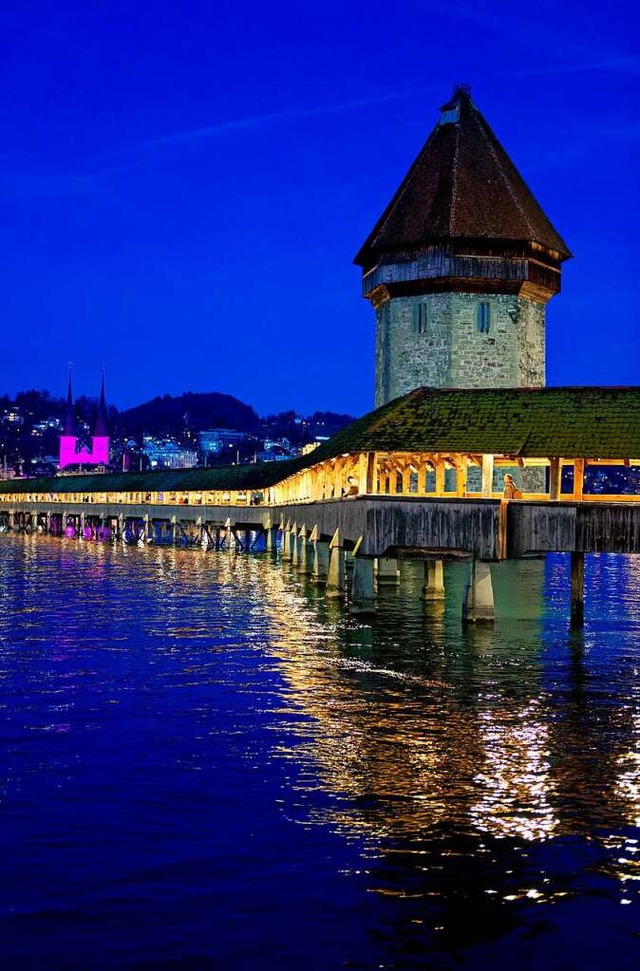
column 206, row 765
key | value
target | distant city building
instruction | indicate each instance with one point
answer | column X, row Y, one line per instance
column 460, row 266
column 73, row 451
column 166, row 453
column 271, row 456
column 311, row 447
column 215, row 440
column 13, row 417
column 277, row 444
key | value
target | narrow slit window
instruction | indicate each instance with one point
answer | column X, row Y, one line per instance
column 420, row 318
column 484, row 317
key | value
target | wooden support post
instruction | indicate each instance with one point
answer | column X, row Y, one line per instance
column 304, row 565
column 371, row 486
column 231, row 543
column 270, row 537
column 205, row 536
column 286, row 543
column 478, row 605
column 387, row 570
column 362, row 473
column 320, row 562
column 487, row 475
column 577, row 589
column 578, row 479
column 461, row 475
column 554, row 478
column 440, row 476
column 362, row 600
column 295, row 545
column 433, row 588
column 336, row 574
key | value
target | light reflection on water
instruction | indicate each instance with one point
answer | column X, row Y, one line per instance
column 207, row 761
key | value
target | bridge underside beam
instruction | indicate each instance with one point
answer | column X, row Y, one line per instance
column 486, row 528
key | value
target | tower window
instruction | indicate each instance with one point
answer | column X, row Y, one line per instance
column 484, row 317
column 420, row 318
column 449, row 116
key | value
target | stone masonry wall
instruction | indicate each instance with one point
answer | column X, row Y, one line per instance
column 433, row 340
column 511, row 354
column 408, row 359
column 531, row 344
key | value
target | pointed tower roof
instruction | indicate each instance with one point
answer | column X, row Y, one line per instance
column 69, row 416
column 462, row 185
column 101, row 427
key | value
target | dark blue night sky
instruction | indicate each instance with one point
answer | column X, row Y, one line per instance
column 183, row 187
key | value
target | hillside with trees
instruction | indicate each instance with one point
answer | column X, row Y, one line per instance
column 188, row 413
column 31, row 423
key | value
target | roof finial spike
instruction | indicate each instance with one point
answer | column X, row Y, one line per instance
column 460, row 88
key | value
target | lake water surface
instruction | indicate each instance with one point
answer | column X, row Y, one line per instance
column 205, row 765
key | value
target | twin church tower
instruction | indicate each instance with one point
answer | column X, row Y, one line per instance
column 460, row 266
column 77, row 454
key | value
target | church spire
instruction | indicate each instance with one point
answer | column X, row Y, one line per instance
column 69, row 416
column 101, row 428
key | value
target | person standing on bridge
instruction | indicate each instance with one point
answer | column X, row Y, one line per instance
column 352, row 487
column 511, row 490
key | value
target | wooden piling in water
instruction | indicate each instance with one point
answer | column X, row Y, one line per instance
column 577, row 589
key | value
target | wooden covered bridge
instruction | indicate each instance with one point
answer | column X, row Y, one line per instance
column 424, row 473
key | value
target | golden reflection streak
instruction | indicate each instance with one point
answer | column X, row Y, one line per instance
column 516, row 774
column 628, row 782
column 378, row 754
column 415, row 773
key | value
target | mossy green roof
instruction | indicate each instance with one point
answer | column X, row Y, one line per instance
column 528, row 422
column 231, row 477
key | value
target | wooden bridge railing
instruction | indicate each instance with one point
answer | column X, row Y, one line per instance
column 412, row 475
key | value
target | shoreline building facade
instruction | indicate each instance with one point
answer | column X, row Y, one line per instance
column 75, row 452
column 460, row 266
